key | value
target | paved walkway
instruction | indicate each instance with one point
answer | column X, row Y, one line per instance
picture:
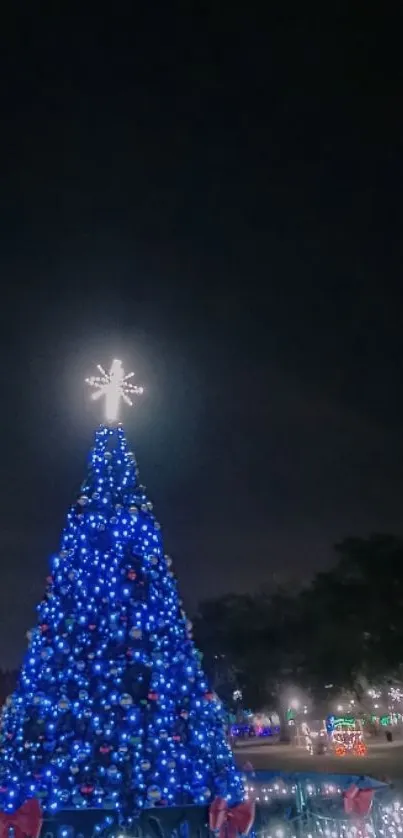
column 384, row 760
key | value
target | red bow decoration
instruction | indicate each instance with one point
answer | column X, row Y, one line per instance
column 27, row 820
column 358, row 801
column 228, row 823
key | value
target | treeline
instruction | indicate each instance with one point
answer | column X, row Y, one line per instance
column 342, row 633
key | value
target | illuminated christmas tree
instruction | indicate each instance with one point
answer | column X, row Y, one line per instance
column 112, row 709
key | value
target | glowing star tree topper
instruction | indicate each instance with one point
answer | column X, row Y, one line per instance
column 114, row 385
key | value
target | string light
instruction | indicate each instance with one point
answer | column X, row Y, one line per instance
column 316, row 809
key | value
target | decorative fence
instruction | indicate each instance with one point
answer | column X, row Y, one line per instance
column 287, row 806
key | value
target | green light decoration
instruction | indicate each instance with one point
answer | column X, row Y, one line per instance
column 344, row 721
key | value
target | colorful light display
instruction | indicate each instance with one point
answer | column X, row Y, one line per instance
column 346, row 736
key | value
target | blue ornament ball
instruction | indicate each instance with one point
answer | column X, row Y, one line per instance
column 154, row 794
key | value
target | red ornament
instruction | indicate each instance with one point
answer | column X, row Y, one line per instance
column 358, row 801
column 104, row 749
column 176, row 738
column 92, row 627
column 44, row 627
column 132, row 574
column 129, row 653
column 231, row 822
column 27, row 820
column 49, row 579
column 87, row 789
column 153, row 696
column 209, row 696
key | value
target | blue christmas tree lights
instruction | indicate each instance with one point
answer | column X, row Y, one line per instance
column 112, row 709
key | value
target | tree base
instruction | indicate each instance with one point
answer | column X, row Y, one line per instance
column 178, row 821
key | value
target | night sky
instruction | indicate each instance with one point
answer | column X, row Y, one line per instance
column 215, row 198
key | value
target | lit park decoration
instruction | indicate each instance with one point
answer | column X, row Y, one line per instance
column 346, row 736
column 112, row 713
column 114, row 385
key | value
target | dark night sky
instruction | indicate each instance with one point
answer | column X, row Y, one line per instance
column 216, row 198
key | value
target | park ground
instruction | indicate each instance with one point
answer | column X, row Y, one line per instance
column 383, row 761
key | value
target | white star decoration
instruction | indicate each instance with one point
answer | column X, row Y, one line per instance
column 114, row 385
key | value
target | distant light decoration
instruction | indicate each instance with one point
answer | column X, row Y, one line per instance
column 373, row 692
column 396, row 695
column 246, row 731
column 346, row 736
column 114, row 385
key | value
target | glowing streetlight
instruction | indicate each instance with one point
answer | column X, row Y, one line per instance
column 114, row 385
